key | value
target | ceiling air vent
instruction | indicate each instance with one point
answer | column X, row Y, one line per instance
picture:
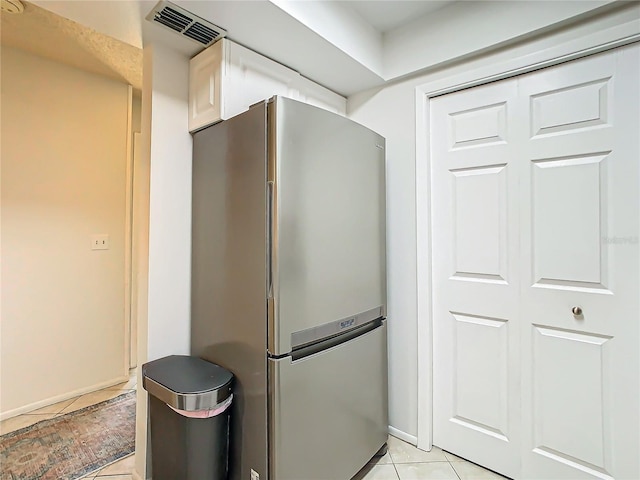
column 185, row 23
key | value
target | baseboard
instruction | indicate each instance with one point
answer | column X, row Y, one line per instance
column 61, row 398
column 136, row 476
column 412, row 439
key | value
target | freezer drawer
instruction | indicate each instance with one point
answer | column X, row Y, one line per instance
column 328, row 414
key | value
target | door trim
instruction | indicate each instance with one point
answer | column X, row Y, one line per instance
column 542, row 53
column 128, row 219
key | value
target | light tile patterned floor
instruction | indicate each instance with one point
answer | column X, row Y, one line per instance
column 402, row 462
column 405, row 462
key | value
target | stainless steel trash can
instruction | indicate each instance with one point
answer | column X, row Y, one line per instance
column 189, row 400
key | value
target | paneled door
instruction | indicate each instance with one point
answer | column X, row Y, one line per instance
column 475, row 299
column 579, row 171
column 536, row 218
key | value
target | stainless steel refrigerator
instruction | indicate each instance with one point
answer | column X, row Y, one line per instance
column 289, row 287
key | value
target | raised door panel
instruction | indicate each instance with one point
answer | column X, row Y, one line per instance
column 251, row 78
column 570, row 208
column 572, row 108
column 480, row 229
column 205, row 87
column 480, row 382
column 571, row 395
column 484, row 125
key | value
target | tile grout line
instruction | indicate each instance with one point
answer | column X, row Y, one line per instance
column 51, row 413
column 453, row 468
column 393, row 462
column 396, row 469
column 74, row 401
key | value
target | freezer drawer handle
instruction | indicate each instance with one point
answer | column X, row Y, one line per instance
column 335, row 341
column 311, row 335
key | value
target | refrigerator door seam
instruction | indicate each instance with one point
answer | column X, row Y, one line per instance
column 273, row 344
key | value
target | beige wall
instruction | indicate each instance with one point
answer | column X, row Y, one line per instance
column 64, row 135
column 136, row 112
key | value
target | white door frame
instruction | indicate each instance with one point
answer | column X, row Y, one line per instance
column 592, row 43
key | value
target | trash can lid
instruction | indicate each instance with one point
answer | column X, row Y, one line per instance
column 187, row 383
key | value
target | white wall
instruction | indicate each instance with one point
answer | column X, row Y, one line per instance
column 64, row 137
column 391, row 111
column 340, row 25
column 467, row 27
column 164, row 320
column 169, row 206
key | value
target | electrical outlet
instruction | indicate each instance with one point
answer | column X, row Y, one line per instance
column 100, row 241
column 254, row 475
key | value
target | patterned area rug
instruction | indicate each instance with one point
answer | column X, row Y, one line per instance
column 73, row 445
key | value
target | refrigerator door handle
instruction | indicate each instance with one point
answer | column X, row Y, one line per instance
column 270, row 205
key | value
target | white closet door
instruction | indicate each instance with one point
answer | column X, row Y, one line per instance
column 475, row 276
column 536, row 213
column 579, row 182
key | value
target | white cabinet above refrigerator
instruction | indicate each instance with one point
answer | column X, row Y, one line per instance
column 227, row 78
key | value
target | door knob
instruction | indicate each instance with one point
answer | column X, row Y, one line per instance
column 577, row 311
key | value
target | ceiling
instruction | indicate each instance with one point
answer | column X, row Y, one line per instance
column 66, row 36
column 386, row 15
column 348, row 46
column 48, row 35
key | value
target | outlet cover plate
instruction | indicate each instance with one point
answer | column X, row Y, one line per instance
column 100, row 241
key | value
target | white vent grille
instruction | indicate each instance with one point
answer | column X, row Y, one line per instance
column 185, row 23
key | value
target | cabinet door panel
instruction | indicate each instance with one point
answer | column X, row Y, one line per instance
column 205, row 87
